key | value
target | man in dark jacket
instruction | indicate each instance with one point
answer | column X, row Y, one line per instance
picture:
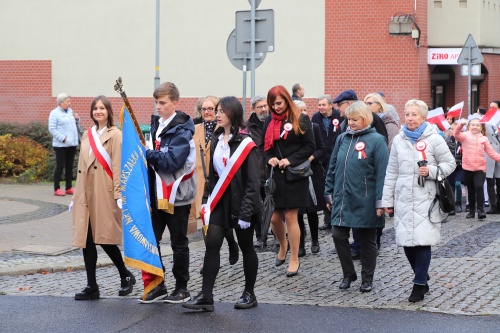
column 170, row 155
column 328, row 121
column 298, row 92
column 343, row 101
column 260, row 111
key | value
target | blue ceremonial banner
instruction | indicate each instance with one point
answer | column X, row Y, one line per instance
column 139, row 241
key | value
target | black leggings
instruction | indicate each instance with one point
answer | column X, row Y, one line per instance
column 475, row 182
column 214, row 239
column 90, row 258
column 313, row 220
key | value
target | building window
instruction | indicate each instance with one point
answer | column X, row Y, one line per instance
column 438, row 4
column 462, row 3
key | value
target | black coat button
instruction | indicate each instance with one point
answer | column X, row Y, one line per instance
column 95, row 167
column 79, row 171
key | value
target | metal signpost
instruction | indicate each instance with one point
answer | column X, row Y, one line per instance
column 470, row 55
column 250, row 41
column 240, row 61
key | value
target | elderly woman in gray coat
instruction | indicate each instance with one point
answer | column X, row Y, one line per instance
column 409, row 197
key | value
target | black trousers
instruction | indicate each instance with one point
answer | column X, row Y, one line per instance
column 475, row 182
column 493, row 197
column 177, row 225
column 65, row 157
column 367, row 240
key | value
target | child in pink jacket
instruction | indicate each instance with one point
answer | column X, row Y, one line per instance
column 474, row 145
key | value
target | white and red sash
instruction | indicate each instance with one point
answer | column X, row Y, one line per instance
column 100, row 153
column 233, row 164
column 165, row 194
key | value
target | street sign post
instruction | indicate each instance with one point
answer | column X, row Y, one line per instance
column 248, row 44
column 264, row 31
column 241, row 62
column 470, row 55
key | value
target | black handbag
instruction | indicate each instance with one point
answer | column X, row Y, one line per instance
column 298, row 172
column 444, row 196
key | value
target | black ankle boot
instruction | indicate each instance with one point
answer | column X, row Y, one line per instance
column 471, row 214
column 480, row 214
column 127, row 285
column 88, row 293
column 417, row 293
column 200, row 302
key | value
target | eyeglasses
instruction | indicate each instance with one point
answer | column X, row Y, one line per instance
column 207, row 109
column 370, row 103
column 219, row 111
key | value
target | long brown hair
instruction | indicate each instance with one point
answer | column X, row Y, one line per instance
column 292, row 110
column 107, row 105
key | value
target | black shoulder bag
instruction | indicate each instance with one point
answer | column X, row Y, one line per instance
column 298, row 172
column 444, row 196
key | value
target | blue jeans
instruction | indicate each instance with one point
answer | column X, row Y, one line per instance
column 420, row 260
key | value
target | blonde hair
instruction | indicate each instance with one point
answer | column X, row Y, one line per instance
column 362, row 110
column 483, row 129
column 377, row 99
column 424, row 109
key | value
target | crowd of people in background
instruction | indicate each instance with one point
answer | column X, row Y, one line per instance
column 363, row 158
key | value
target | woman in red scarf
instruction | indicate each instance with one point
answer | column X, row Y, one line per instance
column 288, row 141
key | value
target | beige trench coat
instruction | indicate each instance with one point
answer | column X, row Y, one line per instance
column 199, row 139
column 96, row 193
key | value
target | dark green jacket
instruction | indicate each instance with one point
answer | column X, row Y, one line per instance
column 354, row 183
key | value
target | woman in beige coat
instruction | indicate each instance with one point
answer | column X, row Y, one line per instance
column 97, row 199
column 201, row 137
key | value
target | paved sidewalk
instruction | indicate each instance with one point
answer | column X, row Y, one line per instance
column 36, row 258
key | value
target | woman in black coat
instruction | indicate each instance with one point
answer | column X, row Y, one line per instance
column 288, row 141
column 235, row 206
column 317, row 185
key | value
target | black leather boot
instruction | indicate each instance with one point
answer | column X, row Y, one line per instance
column 200, row 302
column 417, row 293
column 88, row 293
column 127, row 285
column 471, row 214
column 480, row 214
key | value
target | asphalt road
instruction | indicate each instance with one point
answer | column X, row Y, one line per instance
column 62, row 314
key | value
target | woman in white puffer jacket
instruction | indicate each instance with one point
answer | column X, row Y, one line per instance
column 418, row 140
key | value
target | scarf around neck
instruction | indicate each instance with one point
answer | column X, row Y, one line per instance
column 273, row 129
column 209, row 129
column 416, row 134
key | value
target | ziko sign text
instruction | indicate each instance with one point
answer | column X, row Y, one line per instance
column 443, row 56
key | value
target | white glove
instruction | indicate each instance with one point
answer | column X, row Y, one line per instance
column 244, row 224
column 119, row 203
column 70, row 208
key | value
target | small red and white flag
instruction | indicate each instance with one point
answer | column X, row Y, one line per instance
column 491, row 116
column 456, row 110
column 436, row 117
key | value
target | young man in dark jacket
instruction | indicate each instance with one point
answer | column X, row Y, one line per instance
column 171, row 155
